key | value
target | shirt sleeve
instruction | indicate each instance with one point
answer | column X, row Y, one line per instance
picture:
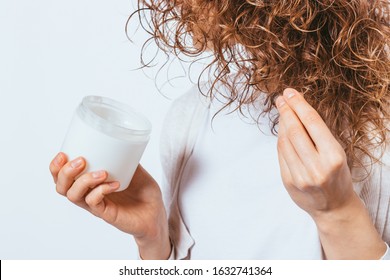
column 172, row 255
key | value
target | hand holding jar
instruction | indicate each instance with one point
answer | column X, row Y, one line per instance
column 104, row 144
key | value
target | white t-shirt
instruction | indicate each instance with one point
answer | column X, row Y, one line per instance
column 232, row 199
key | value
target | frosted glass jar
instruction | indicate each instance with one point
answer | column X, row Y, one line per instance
column 110, row 135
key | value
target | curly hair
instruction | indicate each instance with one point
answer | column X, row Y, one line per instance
column 334, row 52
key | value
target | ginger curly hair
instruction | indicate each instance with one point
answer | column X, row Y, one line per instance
column 335, row 52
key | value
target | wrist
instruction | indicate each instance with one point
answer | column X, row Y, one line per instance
column 156, row 246
column 348, row 232
column 331, row 221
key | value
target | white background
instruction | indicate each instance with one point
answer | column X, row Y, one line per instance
column 52, row 53
column 281, row 270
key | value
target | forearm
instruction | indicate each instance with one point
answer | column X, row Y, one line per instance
column 349, row 233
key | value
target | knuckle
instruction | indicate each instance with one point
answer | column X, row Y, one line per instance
column 90, row 200
column 60, row 190
column 312, row 118
column 305, row 187
column 66, row 171
column 102, row 190
column 53, row 169
column 72, row 197
column 282, row 110
column 287, row 182
column 337, row 161
column 281, row 144
column 319, row 179
column 84, row 180
column 302, row 184
column 295, row 132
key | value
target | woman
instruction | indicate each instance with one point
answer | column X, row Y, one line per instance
column 318, row 72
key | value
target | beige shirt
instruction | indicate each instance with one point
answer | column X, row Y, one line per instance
column 182, row 125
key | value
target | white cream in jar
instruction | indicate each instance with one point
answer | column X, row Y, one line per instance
column 110, row 136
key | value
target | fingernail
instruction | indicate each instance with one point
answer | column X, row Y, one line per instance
column 59, row 159
column 76, row 163
column 280, row 101
column 98, row 174
column 288, row 93
column 114, row 185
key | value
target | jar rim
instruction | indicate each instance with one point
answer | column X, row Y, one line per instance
column 91, row 102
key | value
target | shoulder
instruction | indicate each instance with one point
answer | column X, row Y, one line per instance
column 180, row 128
column 183, row 111
column 185, row 104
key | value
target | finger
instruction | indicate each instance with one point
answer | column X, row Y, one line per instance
column 284, row 170
column 95, row 199
column 291, row 188
column 297, row 170
column 311, row 120
column 68, row 173
column 82, row 185
column 56, row 164
column 297, row 134
column 286, row 174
